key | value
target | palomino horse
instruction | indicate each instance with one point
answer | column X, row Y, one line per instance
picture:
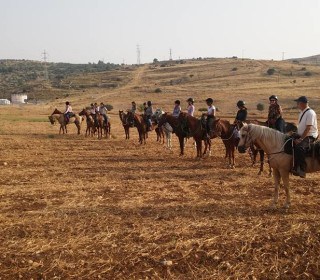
column 197, row 131
column 140, row 124
column 59, row 116
column 226, row 131
column 165, row 128
column 273, row 142
column 254, row 150
column 124, row 120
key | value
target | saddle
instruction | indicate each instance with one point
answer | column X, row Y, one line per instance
column 313, row 151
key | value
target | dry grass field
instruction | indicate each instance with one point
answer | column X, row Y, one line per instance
column 73, row 207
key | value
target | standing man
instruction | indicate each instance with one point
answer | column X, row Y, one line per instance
column 308, row 132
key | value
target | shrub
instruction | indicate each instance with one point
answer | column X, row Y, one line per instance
column 109, row 107
column 308, row 74
column 271, row 71
column 158, row 90
column 303, row 69
column 260, row 106
column 234, row 69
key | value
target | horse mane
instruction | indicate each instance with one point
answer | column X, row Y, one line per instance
column 258, row 131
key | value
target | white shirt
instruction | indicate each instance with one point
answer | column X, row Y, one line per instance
column 190, row 110
column 309, row 118
column 211, row 110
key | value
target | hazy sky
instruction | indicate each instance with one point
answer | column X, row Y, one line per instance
column 82, row 31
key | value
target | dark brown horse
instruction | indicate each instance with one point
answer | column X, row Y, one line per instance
column 176, row 125
column 124, row 120
column 140, row 124
column 226, row 131
column 197, row 131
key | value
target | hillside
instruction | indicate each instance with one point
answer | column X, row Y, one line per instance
column 314, row 59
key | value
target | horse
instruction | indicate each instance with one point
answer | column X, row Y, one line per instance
column 60, row 117
column 91, row 128
column 176, row 126
column 226, row 131
column 197, row 131
column 273, row 142
column 165, row 128
column 289, row 128
column 124, row 120
column 140, row 124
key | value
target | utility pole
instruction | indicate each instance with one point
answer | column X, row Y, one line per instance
column 283, row 55
column 242, row 53
column 138, row 55
column 44, row 59
column 170, row 54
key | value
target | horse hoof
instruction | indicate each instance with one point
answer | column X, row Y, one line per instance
column 260, row 172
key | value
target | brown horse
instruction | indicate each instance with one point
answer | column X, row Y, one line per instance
column 197, row 131
column 91, row 128
column 226, row 131
column 140, row 124
column 176, row 126
column 126, row 125
column 60, row 117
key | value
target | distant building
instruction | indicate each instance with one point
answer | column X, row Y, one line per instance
column 4, row 102
column 18, row 98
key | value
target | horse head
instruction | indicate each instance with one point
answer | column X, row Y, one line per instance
column 162, row 119
column 245, row 138
column 83, row 112
column 216, row 128
column 51, row 119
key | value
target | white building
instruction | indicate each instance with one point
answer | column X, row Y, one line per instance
column 4, row 102
column 19, row 98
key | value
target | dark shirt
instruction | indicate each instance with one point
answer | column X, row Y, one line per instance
column 242, row 115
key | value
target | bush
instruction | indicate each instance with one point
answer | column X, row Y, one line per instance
column 308, row 74
column 303, row 69
column 271, row 71
column 109, row 107
column 158, row 90
column 234, row 69
column 260, row 106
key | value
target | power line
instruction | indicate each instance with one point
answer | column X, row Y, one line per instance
column 44, row 59
column 138, row 55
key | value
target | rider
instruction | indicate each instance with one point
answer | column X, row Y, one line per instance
column 133, row 107
column 177, row 109
column 308, row 132
column 275, row 114
column 190, row 108
column 148, row 114
column 68, row 112
column 211, row 113
column 93, row 113
column 241, row 117
column 103, row 111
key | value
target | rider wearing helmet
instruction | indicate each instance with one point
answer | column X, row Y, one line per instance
column 68, row 112
column 148, row 114
column 190, row 108
column 177, row 109
column 242, row 112
column 211, row 114
column 275, row 114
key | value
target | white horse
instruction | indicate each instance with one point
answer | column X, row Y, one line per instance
column 272, row 142
column 167, row 129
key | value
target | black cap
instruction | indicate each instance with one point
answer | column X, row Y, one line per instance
column 209, row 100
column 302, row 99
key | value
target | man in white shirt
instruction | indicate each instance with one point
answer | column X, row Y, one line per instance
column 211, row 113
column 308, row 132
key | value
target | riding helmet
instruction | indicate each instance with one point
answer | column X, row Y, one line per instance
column 273, row 97
column 209, row 100
column 241, row 103
column 190, row 99
column 177, row 102
column 149, row 103
column 67, row 103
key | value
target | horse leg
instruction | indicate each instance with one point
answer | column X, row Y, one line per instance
column 199, row 147
column 261, row 153
column 277, row 178
column 285, row 178
column 232, row 154
column 181, row 142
